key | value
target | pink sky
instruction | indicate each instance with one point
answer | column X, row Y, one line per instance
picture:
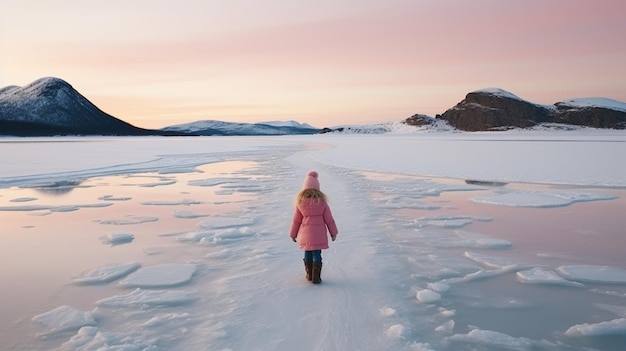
column 326, row 63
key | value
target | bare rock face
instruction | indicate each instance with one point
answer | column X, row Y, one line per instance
column 419, row 120
column 495, row 109
column 598, row 116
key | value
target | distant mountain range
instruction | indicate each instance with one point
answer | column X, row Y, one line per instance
column 228, row 128
column 51, row 106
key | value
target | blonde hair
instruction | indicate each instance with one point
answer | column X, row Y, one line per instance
column 314, row 194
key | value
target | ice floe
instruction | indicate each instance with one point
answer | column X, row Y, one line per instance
column 106, row 273
column 114, row 198
column 428, row 296
column 93, row 338
column 471, row 240
column 23, row 199
column 65, row 318
column 540, row 275
column 141, row 298
column 612, row 327
column 495, row 262
column 538, row 199
column 211, row 181
column 446, row 328
column 130, row 219
column 395, row 331
column 219, row 236
column 450, row 221
column 189, row 214
column 184, row 202
column 497, row 340
column 160, row 275
column 63, row 208
column 117, row 238
column 594, row 274
column 387, row 312
column 226, row 222
column 26, row 208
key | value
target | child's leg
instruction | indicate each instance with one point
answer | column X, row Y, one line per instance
column 308, row 264
column 317, row 267
column 316, row 255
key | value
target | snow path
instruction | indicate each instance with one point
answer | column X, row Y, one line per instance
column 342, row 313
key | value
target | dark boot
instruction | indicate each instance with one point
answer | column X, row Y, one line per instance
column 317, row 272
column 308, row 267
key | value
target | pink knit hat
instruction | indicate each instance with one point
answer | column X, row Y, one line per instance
column 310, row 181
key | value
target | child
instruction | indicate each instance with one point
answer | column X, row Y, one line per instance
column 311, row 219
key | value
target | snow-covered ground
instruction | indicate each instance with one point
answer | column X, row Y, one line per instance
column 448, row 241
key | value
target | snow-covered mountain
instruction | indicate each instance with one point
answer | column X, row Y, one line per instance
column 211, row 127
column 51, row 106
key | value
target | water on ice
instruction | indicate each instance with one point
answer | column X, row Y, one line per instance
column 416, row 266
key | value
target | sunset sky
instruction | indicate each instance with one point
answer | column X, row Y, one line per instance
column 326, row 62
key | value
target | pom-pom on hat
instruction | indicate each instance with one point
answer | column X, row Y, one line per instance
column 311, row 181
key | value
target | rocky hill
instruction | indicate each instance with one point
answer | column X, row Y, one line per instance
column 51, row 106
column 496, row 109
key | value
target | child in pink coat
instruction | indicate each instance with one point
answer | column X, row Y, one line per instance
column 312, row 221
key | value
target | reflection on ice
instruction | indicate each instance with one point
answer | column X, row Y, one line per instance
column 58, row 188
column 485, row 182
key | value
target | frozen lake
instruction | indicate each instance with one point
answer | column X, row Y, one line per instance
column 446, row 242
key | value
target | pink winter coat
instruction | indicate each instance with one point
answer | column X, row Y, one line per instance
column 310, row 221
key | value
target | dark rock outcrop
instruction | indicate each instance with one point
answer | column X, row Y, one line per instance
column 419, row 120
column 590, row 116
column 496, row 109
